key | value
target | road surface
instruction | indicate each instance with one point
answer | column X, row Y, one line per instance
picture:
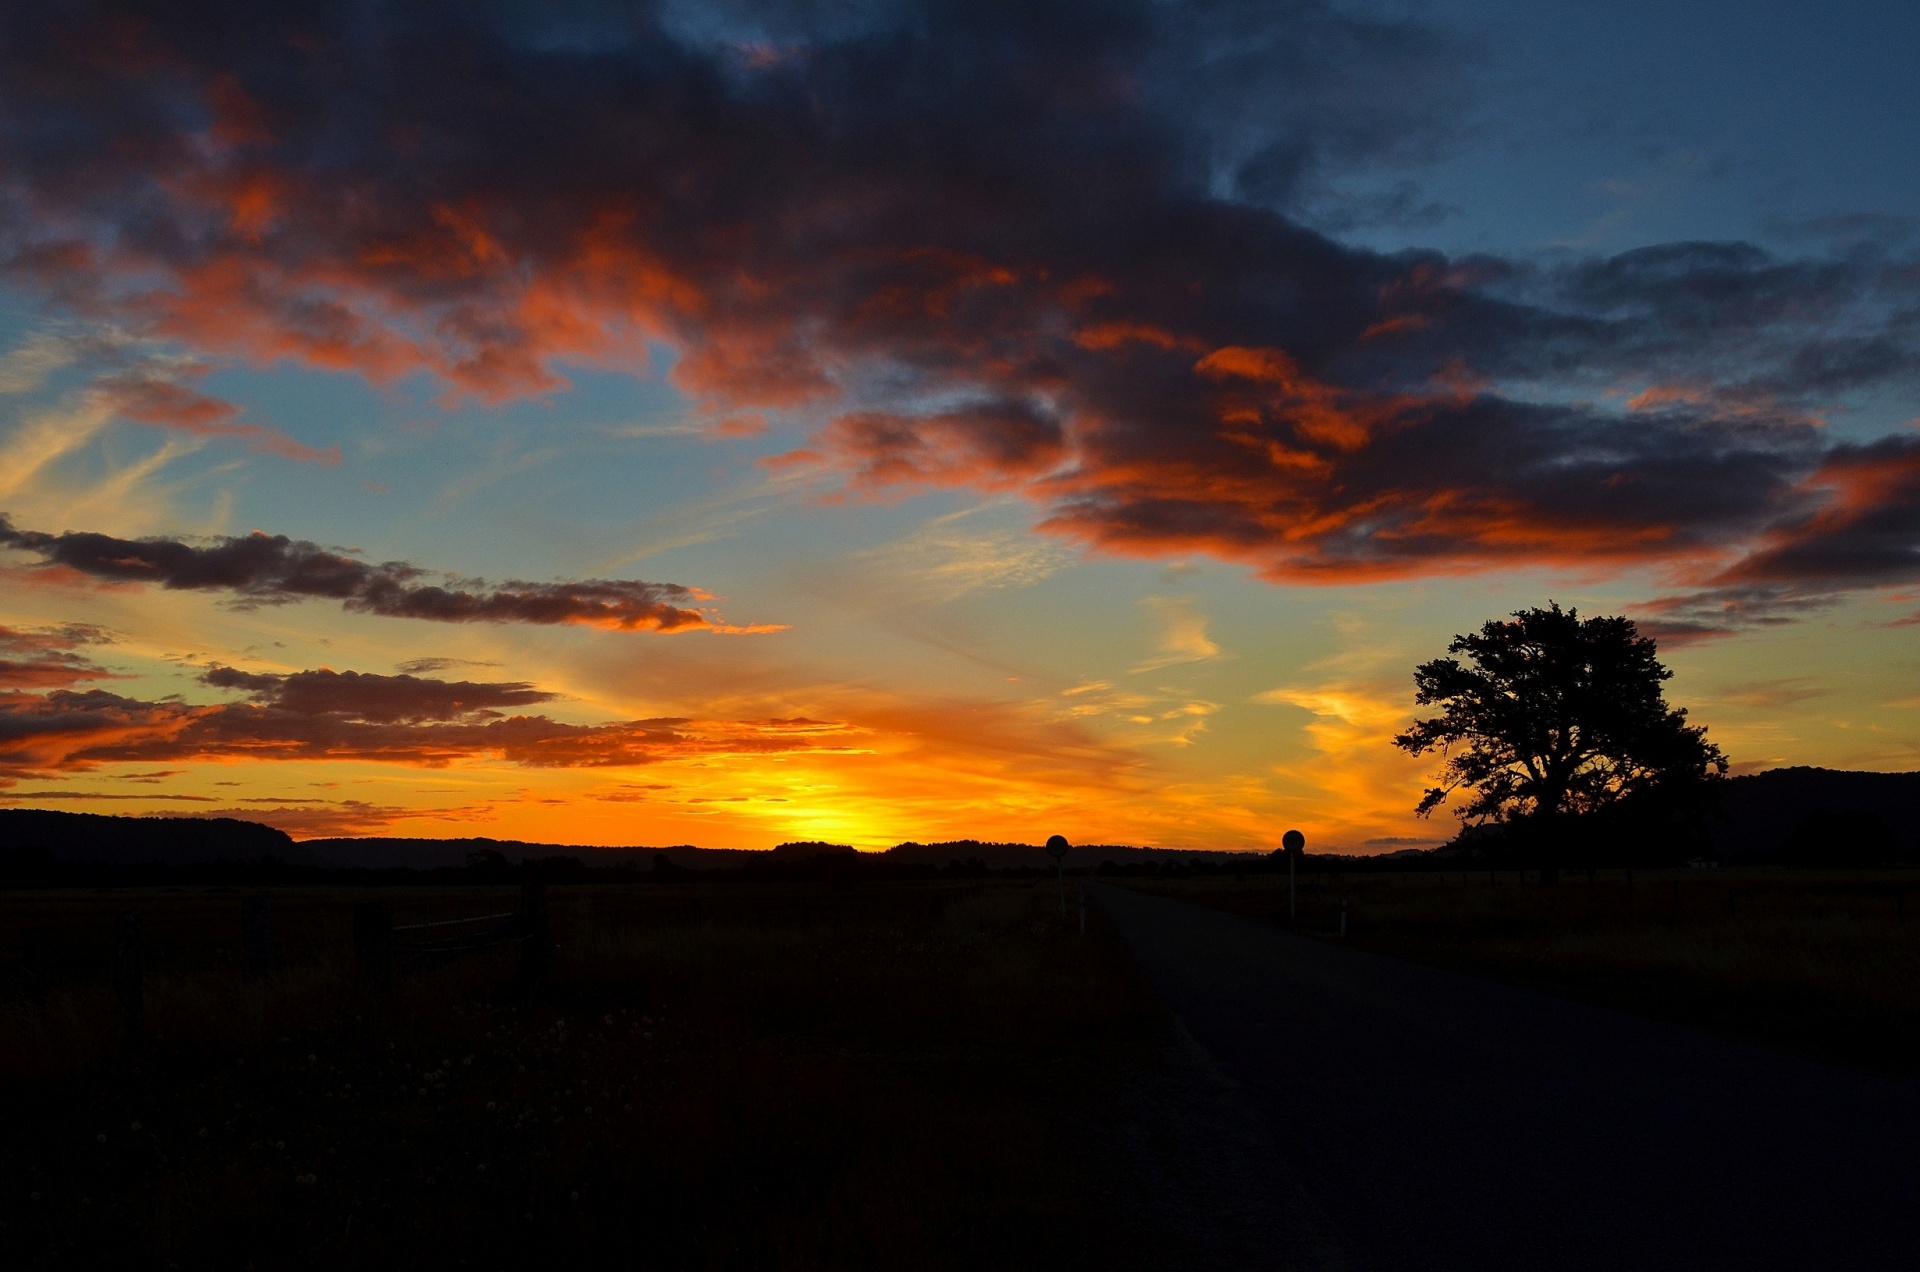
column 1440, row 1121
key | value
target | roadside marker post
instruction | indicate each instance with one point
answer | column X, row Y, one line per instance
column 1057, row 849
column 1295, row 844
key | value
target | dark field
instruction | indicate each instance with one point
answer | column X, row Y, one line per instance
column 760, row 1076
column 1825, row 963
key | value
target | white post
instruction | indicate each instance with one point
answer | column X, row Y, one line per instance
column 1057, row 848
column 1293, row 843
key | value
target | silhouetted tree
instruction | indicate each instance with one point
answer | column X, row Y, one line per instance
column 1552, row 714
column 487, row 861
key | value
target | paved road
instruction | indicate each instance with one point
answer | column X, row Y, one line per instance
column 1440, row 1121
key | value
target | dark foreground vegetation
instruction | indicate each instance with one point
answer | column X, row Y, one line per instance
column 1825, row 962
column 805, row 1075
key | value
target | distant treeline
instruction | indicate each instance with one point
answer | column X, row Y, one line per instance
column 429, row 854
column 38, row 867
column 1810, row 817
column 1793, row 816
column 50, row 849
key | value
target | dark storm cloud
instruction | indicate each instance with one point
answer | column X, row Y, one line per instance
column 1867, row 531
column 375, row 698
column 264, row 569
column 1061, row 249
column 1733, row 319
column 1862, row 532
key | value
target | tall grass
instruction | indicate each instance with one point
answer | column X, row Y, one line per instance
column 1823, row 962
column 777, row 1076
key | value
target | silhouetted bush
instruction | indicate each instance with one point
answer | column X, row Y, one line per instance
column 802, row 849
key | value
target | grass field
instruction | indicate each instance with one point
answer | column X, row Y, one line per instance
column 757, row 1076
column 1826, row 963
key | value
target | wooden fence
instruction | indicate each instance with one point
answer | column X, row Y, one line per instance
column 379, row 949
column 378, row 945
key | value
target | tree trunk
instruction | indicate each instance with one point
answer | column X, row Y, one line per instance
column 1549, row 831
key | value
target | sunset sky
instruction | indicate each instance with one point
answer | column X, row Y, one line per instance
column 727, row 423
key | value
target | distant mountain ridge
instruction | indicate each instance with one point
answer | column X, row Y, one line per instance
column 102, row 839
column 435, row 854
column 1762, row 813
column 105, row 839
column 376, row 853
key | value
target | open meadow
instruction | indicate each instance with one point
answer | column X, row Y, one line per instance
column 733, row 1075
column 1823, row 962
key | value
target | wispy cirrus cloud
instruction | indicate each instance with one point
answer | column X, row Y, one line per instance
column 319, row 819
column 1772, row 695
column 168, row 399
column 88, row 797
column 264, row 569
column 1353, row 764
column 144, row 381
column 954, row 555
column 29, row 364
column 1183, row 634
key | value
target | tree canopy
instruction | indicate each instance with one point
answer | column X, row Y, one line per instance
column 1552, row 713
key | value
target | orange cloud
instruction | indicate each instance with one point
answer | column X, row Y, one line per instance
column 151, row 400
column 1858, row 529
column 1101, row 336
column 403, row 720
column 996, row 444
column 48, row 658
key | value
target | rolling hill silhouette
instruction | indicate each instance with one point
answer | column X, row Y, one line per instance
column 1801, row 815
column 1766, row 816
column 97, row 839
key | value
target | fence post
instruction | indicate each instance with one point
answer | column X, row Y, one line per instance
column 256, row 932
column 536, row 949
column 129, row 982
column 373, row 943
